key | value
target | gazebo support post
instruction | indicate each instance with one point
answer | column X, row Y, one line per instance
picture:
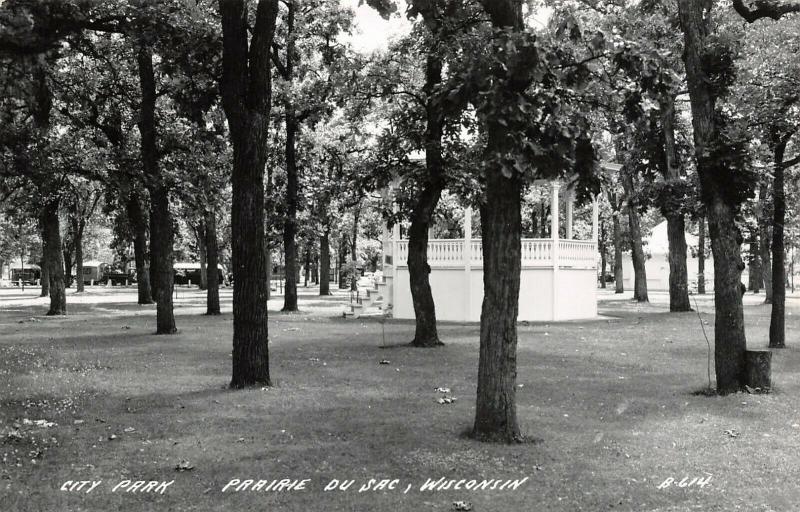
column 554, row 209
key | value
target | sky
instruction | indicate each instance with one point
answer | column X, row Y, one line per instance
column 373, row 32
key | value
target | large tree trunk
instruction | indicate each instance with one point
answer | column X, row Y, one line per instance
column 426, row 334
column 676, row 234
column 635, row 235
column 701, row 256
column 161, row 234
column 212, row 251
column 325, row 262
column 729, row 336
column 496, row 410
column 501, row 227
column 290, row 224
column 777, row 334
column 136, row 216
column 246, row 93
column 152, row 255
column 54, row 259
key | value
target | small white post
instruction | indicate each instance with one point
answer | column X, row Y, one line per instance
column 554, row 235
column 467, row 261
column 570, row 199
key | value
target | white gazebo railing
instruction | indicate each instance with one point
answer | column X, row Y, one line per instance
column 536, row 252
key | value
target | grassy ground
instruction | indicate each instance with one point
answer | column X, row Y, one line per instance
column 611, row 399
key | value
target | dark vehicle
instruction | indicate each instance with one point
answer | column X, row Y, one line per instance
column 27, row 275
column 118, row 277
column 189, row 273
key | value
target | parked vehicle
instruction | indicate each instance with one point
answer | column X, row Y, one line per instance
column 118, row 277
column 189, row 273
column 94, row 271
column 28, row 275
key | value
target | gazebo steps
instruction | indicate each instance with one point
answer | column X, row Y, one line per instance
column 367, row 302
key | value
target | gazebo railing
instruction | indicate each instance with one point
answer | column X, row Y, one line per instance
column 536, row 252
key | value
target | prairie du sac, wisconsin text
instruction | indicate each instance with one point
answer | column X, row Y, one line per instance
column 373, row 484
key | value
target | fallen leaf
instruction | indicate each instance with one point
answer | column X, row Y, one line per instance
column 184, row 465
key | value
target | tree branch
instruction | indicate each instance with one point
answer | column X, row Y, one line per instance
column 765, row 9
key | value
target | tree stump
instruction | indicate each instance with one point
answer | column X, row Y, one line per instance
column 758, row 364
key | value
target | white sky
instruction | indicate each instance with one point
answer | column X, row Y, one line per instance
column 374, row 33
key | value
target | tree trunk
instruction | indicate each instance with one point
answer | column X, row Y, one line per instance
column 246, row 94
column 268, row 257
column 79, row 255
column 67, row 266
column 764, row 216
column 426, row 334
column 353, row 246
column 201, row 249
column 290, row 225
column 136, row 216
column 501, row 227
column 619, row 285
column 44, row 275
column 212, row 251
column 603, row 254
column 161, row 234
column 754, row 263
column 701, row 256
column 152, row 256
column 342, row 257
column 765, row 235
column 676, row 234
column 678, row 274
column 635, row 234
column 729, row 336
column 777, row 334
column 325, row 262
column 44, row 271
column 54, row 259
column 307, row 267
column 496, row 410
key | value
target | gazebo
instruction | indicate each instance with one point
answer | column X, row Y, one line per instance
column 558, row 279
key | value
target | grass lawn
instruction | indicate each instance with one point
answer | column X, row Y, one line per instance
column 612, row 401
